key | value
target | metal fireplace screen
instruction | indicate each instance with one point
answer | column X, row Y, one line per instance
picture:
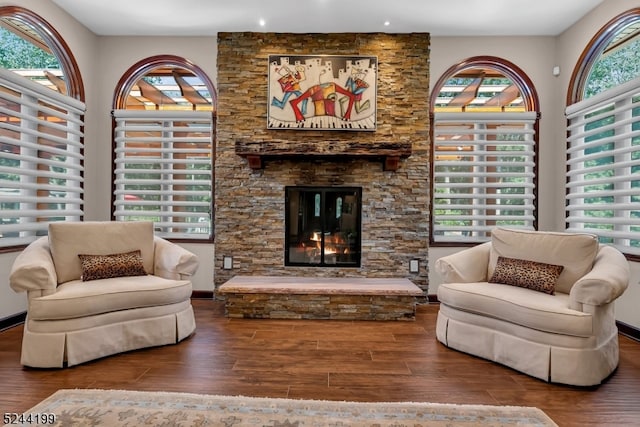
column 323, row 226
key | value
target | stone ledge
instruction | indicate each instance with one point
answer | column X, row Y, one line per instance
column 264, row 297
column 320, row 286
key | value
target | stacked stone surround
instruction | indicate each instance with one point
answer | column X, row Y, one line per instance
column 266, row 297
column 320, row 307
column 250, row 204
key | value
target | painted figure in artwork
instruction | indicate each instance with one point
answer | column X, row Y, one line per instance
column 357, row 85
column 290, row 84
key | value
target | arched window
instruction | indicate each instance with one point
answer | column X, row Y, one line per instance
column 603, row 148
column 41, row 122
column 164, row 111
column 485, row 131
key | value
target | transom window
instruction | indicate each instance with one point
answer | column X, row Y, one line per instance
column 484, row 152
column 479, row 89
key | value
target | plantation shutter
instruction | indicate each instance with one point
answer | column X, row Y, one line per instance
column 163, row 170
column 41, row 159
column 603, row 166
column 484, row 174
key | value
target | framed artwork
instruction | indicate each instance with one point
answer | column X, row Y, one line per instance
column 322, row 92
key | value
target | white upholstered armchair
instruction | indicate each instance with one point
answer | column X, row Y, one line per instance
column 99, row 288
column 539, row 302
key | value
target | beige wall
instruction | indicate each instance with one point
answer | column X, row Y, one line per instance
column 102, row 60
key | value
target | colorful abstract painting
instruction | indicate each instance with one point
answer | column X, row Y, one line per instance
column 324, row 92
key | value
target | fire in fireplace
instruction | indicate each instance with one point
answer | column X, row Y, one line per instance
column 323, row 226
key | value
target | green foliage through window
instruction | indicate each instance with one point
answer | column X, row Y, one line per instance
column 17, row 53
column 614, row 68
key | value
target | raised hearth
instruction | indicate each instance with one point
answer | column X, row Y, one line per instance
column 266, row 297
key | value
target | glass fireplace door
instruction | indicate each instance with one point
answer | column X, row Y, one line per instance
column 323, row 226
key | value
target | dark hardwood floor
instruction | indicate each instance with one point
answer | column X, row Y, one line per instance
column 334, row 360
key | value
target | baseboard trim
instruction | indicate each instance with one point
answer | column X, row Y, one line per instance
column 202, row 294
column 433, row 299
column 628, row 330
column 11, row 321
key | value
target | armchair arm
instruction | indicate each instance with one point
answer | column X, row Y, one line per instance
column 33, row 269
column 606, row 281
column 468, row 265
column 172, row 261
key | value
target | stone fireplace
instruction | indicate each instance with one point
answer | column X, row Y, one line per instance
column 369, row 189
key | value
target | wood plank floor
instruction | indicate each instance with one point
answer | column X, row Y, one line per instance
column 326, row 359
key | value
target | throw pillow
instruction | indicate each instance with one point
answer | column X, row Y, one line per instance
column 114, row 265
column 533, row 275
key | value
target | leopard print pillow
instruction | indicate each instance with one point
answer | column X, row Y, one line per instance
column 533, row 275
column 115, row 265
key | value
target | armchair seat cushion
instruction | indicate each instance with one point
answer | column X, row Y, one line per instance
column 76, row 298
column 535, row 310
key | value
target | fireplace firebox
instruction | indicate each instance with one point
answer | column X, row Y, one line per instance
column 323, row 226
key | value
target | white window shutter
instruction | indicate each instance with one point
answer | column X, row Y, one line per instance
column 603, row 167
column 163, row 171
column 41, row 159
column 484, row 174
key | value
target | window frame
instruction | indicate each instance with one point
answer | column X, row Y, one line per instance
column 123, row 88
column 531, row 105
column 591, row 53
column 36, row 103
column 622, row 128
column 176, row 143
column 496, row 161
column 53, row 39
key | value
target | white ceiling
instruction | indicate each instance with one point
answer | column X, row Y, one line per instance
column 438, row 17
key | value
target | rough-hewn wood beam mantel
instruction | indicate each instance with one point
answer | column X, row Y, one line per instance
column 390, row 153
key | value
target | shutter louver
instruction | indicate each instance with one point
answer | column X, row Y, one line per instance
column 41, row 159
column 484, row 174
column 603, row 167
column 163, row 170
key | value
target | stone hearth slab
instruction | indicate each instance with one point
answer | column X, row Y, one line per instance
column 350, row 298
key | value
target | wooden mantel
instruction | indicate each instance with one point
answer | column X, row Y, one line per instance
column 389, row 153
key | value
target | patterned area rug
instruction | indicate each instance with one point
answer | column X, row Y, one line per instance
column 135, row 408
